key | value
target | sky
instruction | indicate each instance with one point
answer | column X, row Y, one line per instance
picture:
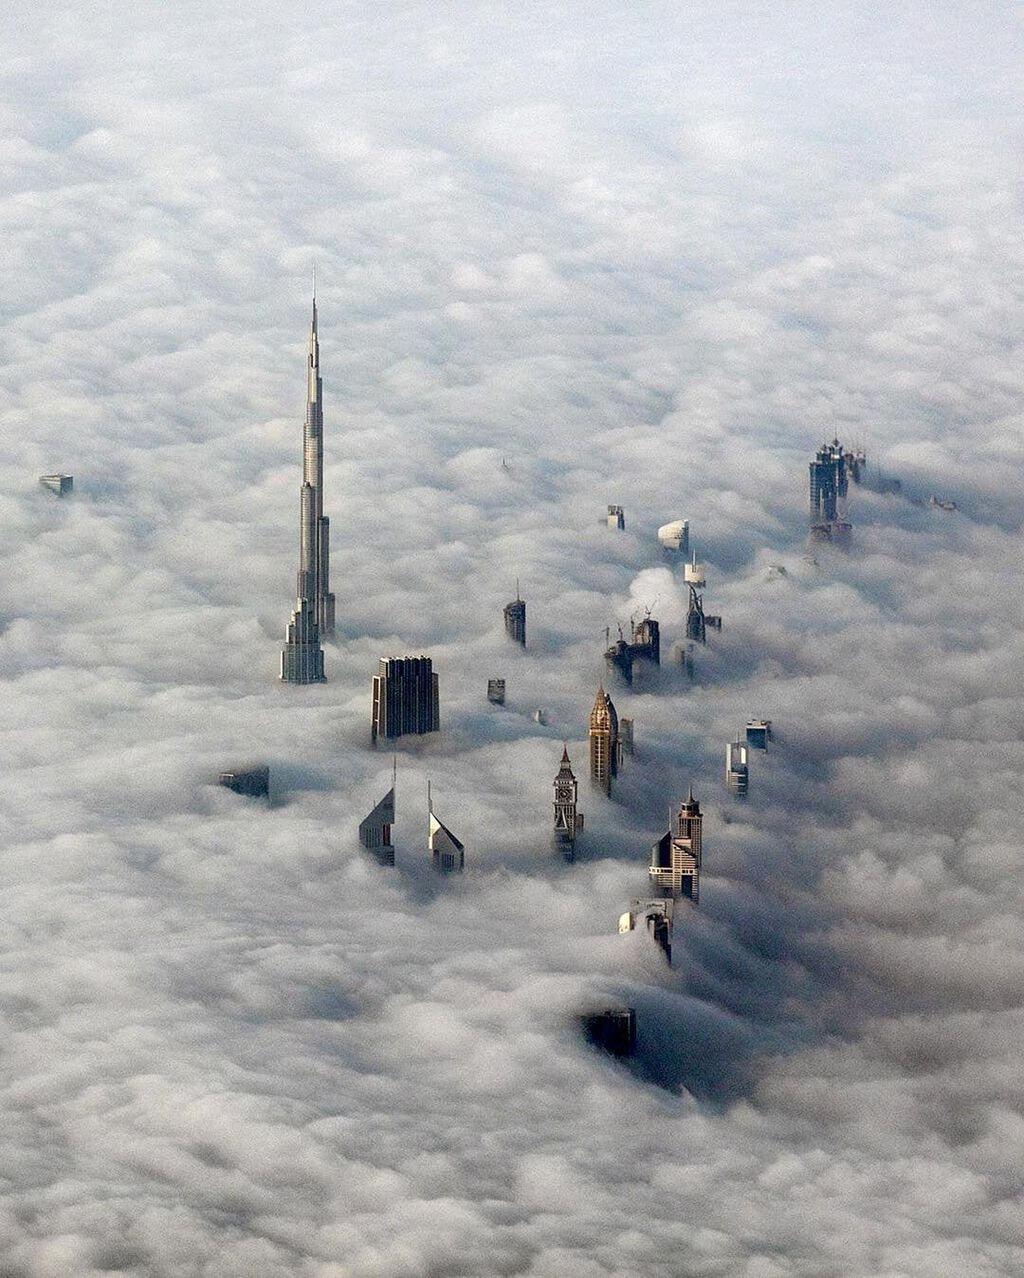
column 650, row 254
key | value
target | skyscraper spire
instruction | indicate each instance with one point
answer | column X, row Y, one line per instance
column 314, row 577
column 302, row 659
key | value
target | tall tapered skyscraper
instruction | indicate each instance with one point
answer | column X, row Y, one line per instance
column 302, row 660
column 314, row 559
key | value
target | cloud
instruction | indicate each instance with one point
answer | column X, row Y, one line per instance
column 642, row 254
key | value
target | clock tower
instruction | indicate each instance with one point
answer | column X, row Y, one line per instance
column 568, row 821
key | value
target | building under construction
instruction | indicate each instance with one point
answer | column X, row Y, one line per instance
column 644, row 645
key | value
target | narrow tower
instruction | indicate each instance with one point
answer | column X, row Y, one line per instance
column 568, row 819
column 605, row 750
column 314, row 571
column 515, row 619
column 302, row 658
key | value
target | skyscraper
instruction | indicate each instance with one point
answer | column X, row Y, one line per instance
column 657, row 916
column 675, row 858
column 644, row 645
column 568, row 819
column 696, row 626
column 675, row 537
column 314, row 562
column 605, row 750
column 447, row 853
column 375, row 828
column 405, row 698
column 302, row 660
column 252, row 779
column 737, row 775
column 515, row 619
column 828, row 488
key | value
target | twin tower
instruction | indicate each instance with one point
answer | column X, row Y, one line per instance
column 302, row 658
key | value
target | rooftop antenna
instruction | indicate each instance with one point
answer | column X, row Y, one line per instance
column 518, row 600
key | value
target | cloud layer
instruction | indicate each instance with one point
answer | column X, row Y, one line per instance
column 648, row 254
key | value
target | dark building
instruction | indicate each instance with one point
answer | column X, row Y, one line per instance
column 759, row 733
column 644, row 645
column 619, row 657
column 405, row 698
column 568, row 818
column 59, row 484
column 252, row 780
column 829, row 476
column 515, row 619
column 496, row 691
column 696, row 626
column 613, row 1029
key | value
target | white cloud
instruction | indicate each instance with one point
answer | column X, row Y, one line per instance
column 647, row 254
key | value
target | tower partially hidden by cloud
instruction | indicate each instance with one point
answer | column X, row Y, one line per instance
column 568, row 818
column 605, row 748
column 302, row 659
column 675, row 858
column 447, row 853
column 405, row 698
column 828, row 488
column 515, row 619
column 375, row 827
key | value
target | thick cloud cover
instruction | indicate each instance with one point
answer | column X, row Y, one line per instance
column 648, row 253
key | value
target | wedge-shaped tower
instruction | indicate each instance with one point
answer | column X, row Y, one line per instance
column 447, row 854
column 375, row 828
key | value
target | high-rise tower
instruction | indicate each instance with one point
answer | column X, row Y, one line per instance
column 675, row 858
column 605, row 750
column 405, row 698
column 302, row 659
column 568, row 819
column 314, row 561
column 515, row 619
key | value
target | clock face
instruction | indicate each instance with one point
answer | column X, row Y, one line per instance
column 563, row 793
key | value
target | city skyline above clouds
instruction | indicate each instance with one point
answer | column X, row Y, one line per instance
column 651, row 255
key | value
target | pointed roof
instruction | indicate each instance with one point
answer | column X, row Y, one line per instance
column 603, row 712
column 565, row 771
